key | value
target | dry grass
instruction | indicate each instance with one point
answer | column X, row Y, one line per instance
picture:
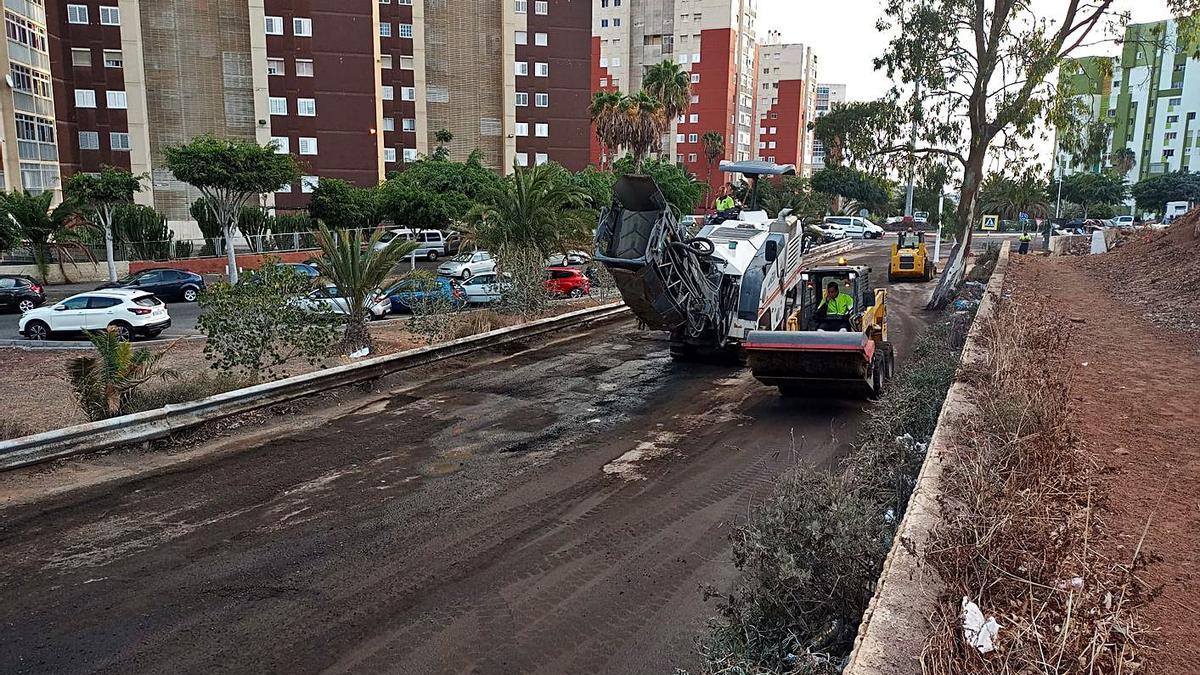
column 1019, row 511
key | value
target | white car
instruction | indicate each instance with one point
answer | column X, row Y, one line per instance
column 130, row 312
column 855, row 227
column 468, row 264
column 333, row 298
column 1123, row 221
column 831, row 230
column 484, row 288
column 568, row 259
column 431, row 244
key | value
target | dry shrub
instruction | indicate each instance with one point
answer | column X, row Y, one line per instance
column 1019, row 511
column 467, row 324
column 190, row 388
column 10, row 429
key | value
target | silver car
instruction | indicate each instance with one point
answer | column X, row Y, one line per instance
column 468, row 264
column 332, row 297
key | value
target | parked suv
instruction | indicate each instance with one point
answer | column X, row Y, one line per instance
column 431, row 244
column 567, row 281
column 20, row 292
column 166, row 283
column 130, row 312
column 855, row 227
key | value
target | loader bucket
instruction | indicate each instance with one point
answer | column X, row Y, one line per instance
column 812, row 363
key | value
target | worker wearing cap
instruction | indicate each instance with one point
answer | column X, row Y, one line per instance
column 836, row 305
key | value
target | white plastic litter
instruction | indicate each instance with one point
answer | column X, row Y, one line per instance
column 978, row 633
column 360, row 353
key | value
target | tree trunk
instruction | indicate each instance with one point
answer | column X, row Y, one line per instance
column 967, row 211
column 108, row 250
column 230, row 254
column 357, row 334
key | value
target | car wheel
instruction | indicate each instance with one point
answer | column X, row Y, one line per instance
column 26, row 305
column 432, row 256
column 576, row 293
column 37, row 330
column 190, row 294
column 123, row 330
column 466, row 274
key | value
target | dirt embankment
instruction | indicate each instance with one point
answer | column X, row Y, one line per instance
column 1134, row 317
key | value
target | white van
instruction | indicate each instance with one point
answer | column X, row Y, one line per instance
column 855, row 227
column 431, row 244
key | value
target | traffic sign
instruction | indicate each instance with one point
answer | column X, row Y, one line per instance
column 991, row 223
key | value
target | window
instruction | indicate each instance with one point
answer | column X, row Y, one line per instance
column 522, row 68
column 410, row 155
column 616, row 23
column 389, row 124
column 541, row 39
column 604, row 23
column 771, row 145
column 110, row 16
column 406, row 63
column 307, row 183
column 274, row 66
column 541, row 7
column 773, row 129
column 693, row 138
column 277, row 105
column 85, row 98
column 304, row 68
column 680, row 138
column 519, row 6
column 695, row 98
column 89, row 140
column 308, row 145
column 1175, row 101
column 543, row 69
column 604, row 82
column 408, row 124
column 306, row 107
column 77, row 14
column 522, row 99
column 521, row 37
column 691, row 157
column 1170, row 136
column 302, row 27
column 541, row 100
column 385, row 29
column 119, row 141
column 388, row 92
column 81, row 57
column 282, row 145
column 285, row 188
column 541, row 158
column 695, row 78
column 693, row 118
column 522, row 159
column 1172, row 118
column 408, row 93
column 406, row 30
column 541, row 130
column 389, row 154
column 522, row 129
column 385, row 61
column 274, row 25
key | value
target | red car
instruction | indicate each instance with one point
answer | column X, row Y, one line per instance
column 567, row 281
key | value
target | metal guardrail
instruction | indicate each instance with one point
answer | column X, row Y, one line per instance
column 154, row 424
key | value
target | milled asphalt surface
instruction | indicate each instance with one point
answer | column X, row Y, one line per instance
column 552, row 511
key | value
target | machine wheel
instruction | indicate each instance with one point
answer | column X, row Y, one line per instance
column 877, row 374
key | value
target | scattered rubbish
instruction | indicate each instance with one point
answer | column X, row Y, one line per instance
column 975, row 284
column 964, row 305
column 978, row 633
column 360, row 353
column 1075, row 583
column 1084, row 363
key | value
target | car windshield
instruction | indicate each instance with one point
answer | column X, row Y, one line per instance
column 388, row 236
column 128, row 278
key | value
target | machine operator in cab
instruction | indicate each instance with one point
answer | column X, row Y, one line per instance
column 834, row 311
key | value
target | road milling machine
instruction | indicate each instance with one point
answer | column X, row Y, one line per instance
column 739, row 281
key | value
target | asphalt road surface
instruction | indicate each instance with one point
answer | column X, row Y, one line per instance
column 552, row 510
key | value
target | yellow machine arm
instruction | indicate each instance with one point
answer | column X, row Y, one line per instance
column 874, row 320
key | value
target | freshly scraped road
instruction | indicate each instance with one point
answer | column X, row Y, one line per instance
column 555, row 511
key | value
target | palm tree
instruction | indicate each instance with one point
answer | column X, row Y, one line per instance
column 671, row 85
column 644, row 124
column 49, row 230
column 359, row 268
column 714, row 149
column 1124, row 160
column 605, row 111
column 104, row 383
column 538, row 208
column 1010, row 197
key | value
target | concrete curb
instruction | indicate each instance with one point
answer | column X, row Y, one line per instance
column 153, row 424
column 896, row 623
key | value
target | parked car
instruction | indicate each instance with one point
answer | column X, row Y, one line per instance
column 431, row 244
column 20, row 292
column 305, row 269
column 856, row 227
column 332, row 297
column 568, row 259
column 408, row 292
column 128, row 311
column 832, row 231
column 484, row 288
column 468, row 264
column 166, row 283
column 1123, row 222
column 567, row 282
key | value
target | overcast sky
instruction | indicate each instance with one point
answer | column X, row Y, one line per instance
column 843, row 34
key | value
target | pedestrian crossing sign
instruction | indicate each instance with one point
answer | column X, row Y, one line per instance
column 991, row 223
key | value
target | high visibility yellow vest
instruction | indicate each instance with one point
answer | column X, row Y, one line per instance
column 839, row 306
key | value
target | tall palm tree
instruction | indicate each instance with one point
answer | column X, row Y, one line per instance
column 537, row 208
column 714, row 149
column 1124, row 160
column 48, row 229
column 1010, row 197
column 607, row 118
column 671, row 85
column 644, row 124
column 359, row 269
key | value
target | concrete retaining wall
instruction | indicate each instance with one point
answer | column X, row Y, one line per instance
column 245, row 261
column 84, row 272
column 896, row 623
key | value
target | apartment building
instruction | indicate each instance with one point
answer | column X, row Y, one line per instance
column 827, row 95
column 1147, row 98
column 786, row 102
column 354, row 88
column 714, row 40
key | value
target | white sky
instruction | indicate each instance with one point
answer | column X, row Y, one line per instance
column 843, row 34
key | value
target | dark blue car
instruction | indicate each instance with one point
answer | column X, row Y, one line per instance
column 409, row 292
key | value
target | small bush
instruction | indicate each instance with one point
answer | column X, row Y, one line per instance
column 192, row 388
